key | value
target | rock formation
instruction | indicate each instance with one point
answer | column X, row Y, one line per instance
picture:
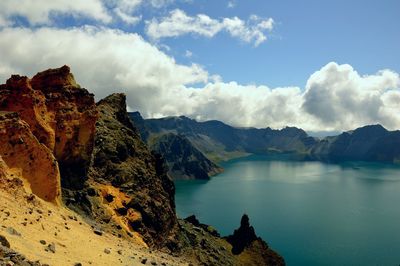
column 22, row 152
column 243, row 236
column 61, row 115
column 73, row 116
column 245, row 240
column 123, row 161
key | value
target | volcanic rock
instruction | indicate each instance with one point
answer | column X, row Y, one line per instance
column 21, row 150
column 121, row 160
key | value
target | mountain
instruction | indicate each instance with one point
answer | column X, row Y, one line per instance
column 183, row 159
column 218, row 141
column 368, row 143
column 78, row 186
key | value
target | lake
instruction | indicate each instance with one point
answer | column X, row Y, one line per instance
column 312, row 213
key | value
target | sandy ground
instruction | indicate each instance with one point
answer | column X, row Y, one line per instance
column 27, row 224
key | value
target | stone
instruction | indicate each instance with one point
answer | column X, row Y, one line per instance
column 98, row 232
column 4, row 242
column 51, row 247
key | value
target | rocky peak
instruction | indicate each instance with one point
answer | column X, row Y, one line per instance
column 54, row 79
column 116, row 105
column 61, row 114
column 370, row 131
column 123, row 161
column 243, row 236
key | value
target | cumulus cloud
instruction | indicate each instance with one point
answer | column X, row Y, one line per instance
column 125, row 9
column 336, row 97
column 44, row 12
column 41, row 12
column 103, row 60
column 179, row 23
column 340, row 98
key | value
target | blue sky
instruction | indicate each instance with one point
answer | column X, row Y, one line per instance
column 320, row 65
column 307, row 35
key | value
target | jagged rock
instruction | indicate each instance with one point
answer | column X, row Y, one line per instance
column 243, row 236
column 61, row 115
column 255, row 251
column 21, row 150
column 193, row 220
column 73, row 112
column 11, row 257
column 122, row 160
column 4, row 242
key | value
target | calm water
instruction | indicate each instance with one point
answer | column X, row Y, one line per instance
column 312, row 213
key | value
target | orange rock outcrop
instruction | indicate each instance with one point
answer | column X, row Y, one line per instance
column 72, row 112
column 23, row 154
column 61, row 115
column 18, row 96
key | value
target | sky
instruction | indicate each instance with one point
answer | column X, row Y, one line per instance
column 316, row 64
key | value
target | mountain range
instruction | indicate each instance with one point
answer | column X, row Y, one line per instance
column 218, row 141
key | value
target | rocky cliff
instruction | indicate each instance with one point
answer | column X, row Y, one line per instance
column 61, row 114
column 183, row 159
column 120, row 191
column 28, row 158
column 123, row 161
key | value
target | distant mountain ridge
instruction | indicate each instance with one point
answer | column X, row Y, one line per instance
column 219, row 141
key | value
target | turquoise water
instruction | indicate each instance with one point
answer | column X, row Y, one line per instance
column 312, row 213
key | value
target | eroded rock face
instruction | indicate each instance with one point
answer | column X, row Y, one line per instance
column 73, row 113
column 122, row 160
column 61, row 114
column 18, row 96
column 33, row 161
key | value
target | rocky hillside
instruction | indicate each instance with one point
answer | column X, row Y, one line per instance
column 183, row 159
column 123, row 163
column 78, row 186
column 369, row 143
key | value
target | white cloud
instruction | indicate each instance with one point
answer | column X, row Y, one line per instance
column 103, row 60
column 340, row 98
column 41, row 12
column 179, row 23
column 231, row 4
column 106, row 61
column 125, row 9
column 160, row 3
column 188, row 54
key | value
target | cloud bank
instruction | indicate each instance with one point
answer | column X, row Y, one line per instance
column 104, row 61
column 179, row 23
column 42, row 12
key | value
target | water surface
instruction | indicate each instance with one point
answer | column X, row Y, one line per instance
column 312, row 213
